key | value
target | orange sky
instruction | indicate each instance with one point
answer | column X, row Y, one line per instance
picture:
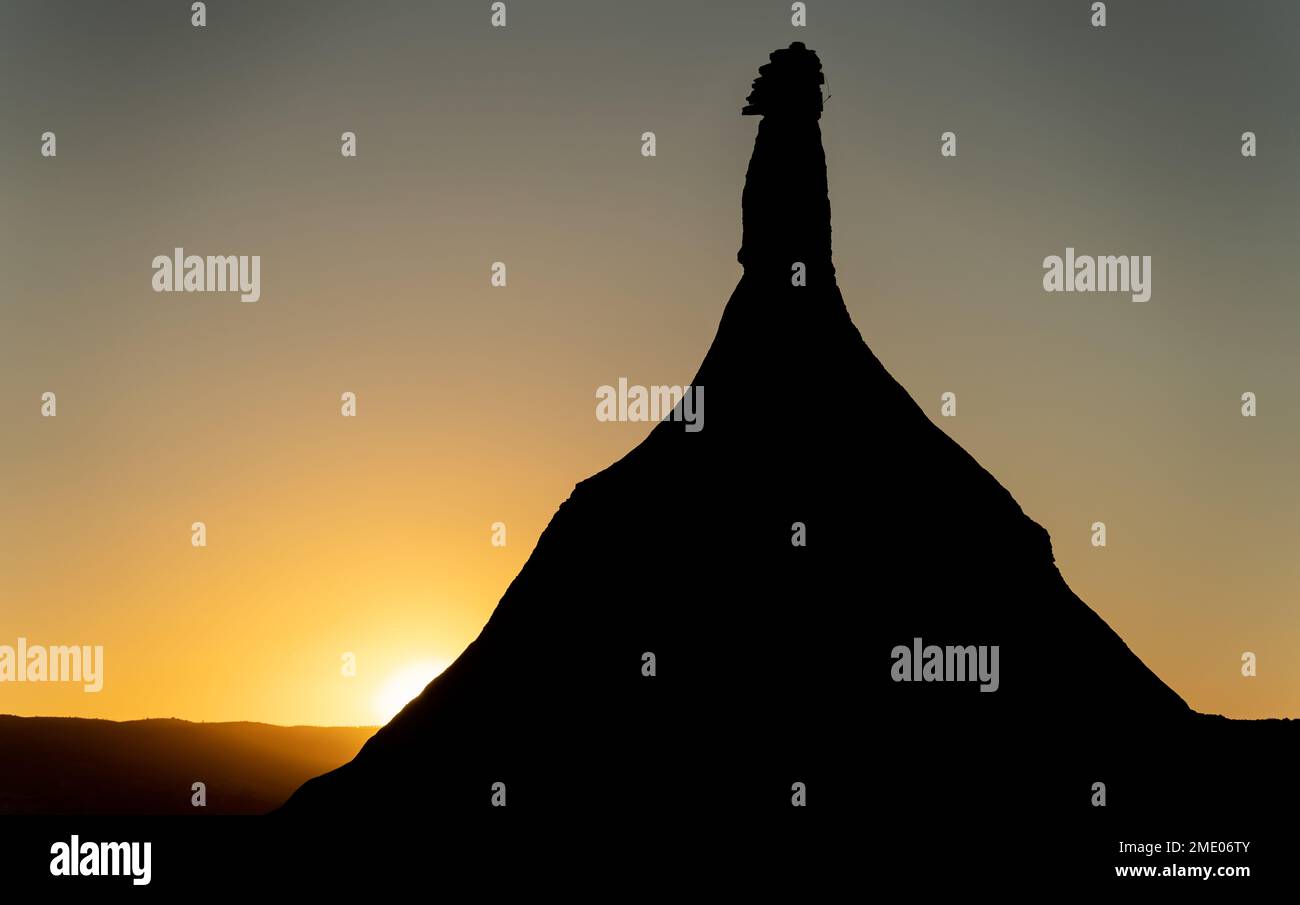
column 371, row 535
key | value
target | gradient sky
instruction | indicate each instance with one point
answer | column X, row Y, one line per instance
column 476, row 404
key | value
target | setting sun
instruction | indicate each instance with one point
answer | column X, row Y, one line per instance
column 404, row 685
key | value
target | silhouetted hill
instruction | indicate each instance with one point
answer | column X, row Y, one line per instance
column 57, row 765
column 774, row 660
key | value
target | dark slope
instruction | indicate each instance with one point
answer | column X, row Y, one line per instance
column 774, row 660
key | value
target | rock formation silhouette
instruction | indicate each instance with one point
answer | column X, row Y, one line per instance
column 773, row 660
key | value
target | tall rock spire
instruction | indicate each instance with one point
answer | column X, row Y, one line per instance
column 786, row 208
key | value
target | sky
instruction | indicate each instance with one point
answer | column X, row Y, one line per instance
column 371, row 536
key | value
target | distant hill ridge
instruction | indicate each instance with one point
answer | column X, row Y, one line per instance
column 67, row 765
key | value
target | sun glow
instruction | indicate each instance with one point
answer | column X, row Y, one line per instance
column 404, row 685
